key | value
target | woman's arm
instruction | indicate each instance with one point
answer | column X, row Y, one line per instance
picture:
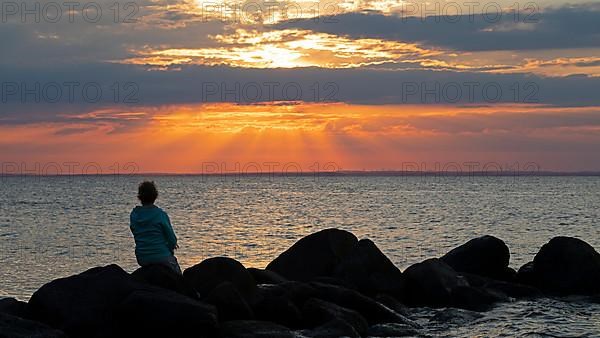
column 169, row 233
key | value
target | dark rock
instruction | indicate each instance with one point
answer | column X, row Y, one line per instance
column 332, row 329
column 510, row 289
column 392, row 303
column 567, row 266
column 164, row 313
column 393, row 330
column 430, row 283
column 108, row 302
column 318, row 312
column 272, row 290
column 332, row 281
column 514, row 290
column 434, row 283
column 266, row 277
column 16, row 327
column 282, row 303
column 254, row 329
column 164, row 277
column 485, row 256
column 371, row 310
column 510, row 275
column 475, row 299
column 368, row 270
column 211, row 272
column 229, row 302
column 314, row 255
column 13, row 307
column 525, row 274
column 476, row 280
column 273, row 304
column 83, row 305
column 298, row 292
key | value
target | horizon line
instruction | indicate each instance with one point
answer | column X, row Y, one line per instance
column 411, row 173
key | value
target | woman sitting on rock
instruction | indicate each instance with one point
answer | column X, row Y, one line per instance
column 155, row 240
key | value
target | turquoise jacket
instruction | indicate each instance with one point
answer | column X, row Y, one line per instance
column 154, row 237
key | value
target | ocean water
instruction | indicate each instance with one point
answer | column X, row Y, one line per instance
column 52, row 227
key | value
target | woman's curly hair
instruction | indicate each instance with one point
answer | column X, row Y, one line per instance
column 147, row 192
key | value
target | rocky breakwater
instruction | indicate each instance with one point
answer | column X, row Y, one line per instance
column 328, row 284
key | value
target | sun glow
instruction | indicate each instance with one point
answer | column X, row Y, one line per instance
column 289, row 49
column 353, row 136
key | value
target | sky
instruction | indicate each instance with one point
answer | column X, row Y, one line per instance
column 195, row 86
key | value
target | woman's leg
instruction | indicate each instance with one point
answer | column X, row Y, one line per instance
column 173, row 264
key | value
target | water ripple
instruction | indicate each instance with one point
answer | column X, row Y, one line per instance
column 56, row 227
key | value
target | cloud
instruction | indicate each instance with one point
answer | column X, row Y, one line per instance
column 564, row 27
column 78, row 40
column 509, row 121
column 123, row 87
column 73, row 131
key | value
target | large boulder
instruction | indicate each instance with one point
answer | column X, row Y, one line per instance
column 83, row 305
column 510, row 289
column 162, row 276
column 315, row 255
column 514, row 290
column 392, row 303
column 298, row 292
column 371, row 310
column 434, row 283
column 229, row 302
column 15, row 327
column 475, row 299
column 333, row 281
column 266, row 277
column 164, row 313
column 566, row 266
column 273, row 303
column 210, row 273
column 368, row 270
column 430, row 283
column 13, row 307
column 108, row 302
column 525, row 274
column 317, row 312
column 254, row 329
column 485, row 256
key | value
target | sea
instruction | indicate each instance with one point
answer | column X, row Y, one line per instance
column 56, row 226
